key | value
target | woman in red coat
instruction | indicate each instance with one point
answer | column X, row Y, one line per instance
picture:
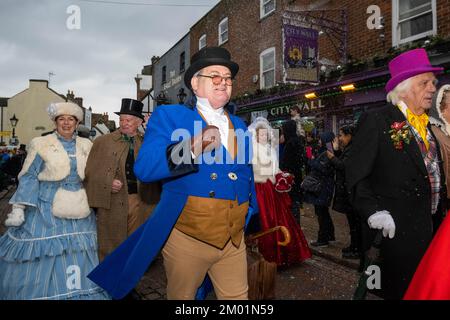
column 274, row 206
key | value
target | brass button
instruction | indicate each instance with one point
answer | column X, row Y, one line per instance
column 212, row 194
column 214, row 176
column 231, row 224
column 232, row 176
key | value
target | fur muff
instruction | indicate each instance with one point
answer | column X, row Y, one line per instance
column 70, row 204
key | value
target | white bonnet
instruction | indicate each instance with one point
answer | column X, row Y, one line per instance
column 65, row 108
column 261, row 122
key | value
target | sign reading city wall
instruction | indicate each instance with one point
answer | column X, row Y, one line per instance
column 300, row 54
column 305, row 107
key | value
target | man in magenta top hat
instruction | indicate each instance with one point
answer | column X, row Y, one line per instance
column 395, row 176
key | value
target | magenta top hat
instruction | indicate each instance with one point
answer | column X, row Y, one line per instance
column 407, row 65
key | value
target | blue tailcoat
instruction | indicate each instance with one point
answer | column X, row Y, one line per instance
column 120, row 272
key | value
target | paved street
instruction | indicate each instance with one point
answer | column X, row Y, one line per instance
column 325, row 276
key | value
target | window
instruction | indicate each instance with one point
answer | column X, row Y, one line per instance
column 163, row 75
column 202, row 42
column 412, row 20
column 267, row 7
column 182, row 62
column 223, row 31
column 267, row 67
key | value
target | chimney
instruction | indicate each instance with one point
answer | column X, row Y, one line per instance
column 138, row 86
column 70, row 96
column 155, row 59
column 79, row 101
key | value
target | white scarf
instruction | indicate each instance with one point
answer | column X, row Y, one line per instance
column 265, row 162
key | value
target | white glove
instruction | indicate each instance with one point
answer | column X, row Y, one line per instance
column 16, row 217
column 382, row 220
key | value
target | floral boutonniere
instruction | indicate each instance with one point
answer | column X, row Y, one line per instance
column 400, row 134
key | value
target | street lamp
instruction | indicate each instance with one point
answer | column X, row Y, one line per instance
column 161, row 98
column 181, row 96
column 14, row 121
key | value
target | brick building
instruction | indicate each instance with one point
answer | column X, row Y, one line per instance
column 355, row 40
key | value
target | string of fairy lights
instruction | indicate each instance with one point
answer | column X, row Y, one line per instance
column 295, row 100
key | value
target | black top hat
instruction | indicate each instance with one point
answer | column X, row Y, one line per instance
column 210, row 56
column 132, row 107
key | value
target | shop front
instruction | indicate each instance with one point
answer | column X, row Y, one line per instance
column 328, row 112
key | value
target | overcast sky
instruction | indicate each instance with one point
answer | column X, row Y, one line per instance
column 98, row 61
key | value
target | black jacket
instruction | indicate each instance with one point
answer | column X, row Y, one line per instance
column 322, row 169
column 13, row 166
column 381, row 177
column 341, row 200
column 293, row 159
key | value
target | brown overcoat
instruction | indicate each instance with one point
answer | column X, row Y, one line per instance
column 106, row 162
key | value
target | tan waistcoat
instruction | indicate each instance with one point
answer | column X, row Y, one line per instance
column 213, row 221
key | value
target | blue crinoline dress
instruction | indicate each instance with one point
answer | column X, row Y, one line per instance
column 48, row 257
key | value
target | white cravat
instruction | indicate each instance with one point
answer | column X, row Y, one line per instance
column 214, row 117
column 403, row 108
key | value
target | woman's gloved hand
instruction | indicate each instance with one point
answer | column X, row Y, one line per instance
column 16, row 217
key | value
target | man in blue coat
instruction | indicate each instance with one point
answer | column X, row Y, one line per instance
column 202, row 155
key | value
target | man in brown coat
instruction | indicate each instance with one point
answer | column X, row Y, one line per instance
column 122, row 202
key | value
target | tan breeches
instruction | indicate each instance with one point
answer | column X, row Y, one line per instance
column 187, row 261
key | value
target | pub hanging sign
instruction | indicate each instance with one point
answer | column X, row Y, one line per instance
column 301, row 46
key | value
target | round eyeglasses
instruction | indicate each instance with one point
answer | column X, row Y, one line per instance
column 217, row 79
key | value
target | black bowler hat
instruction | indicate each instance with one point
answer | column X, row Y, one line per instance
column 131, row 107
column 210, row 56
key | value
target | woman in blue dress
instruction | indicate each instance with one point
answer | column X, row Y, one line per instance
column 51, row 243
